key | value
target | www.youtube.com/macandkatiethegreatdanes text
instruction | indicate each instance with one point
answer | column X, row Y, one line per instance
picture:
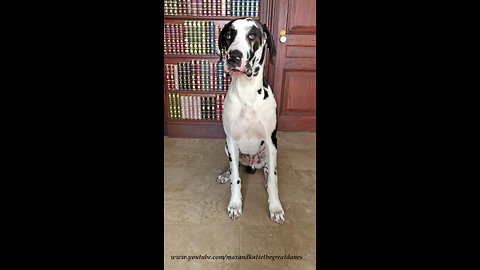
column 239, row 257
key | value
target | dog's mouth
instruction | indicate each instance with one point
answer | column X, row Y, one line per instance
column 235, row 72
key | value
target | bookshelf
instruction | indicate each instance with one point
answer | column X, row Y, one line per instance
column 205, row 127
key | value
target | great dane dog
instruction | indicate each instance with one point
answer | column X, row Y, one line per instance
column 250, row 111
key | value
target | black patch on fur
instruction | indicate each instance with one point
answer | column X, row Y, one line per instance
column 229, row 158
column 257, row 69
column 259, row 91
column 265, row 83
column 263, row 55
column 262, row 142
column 238, row 181
column 223, row 42
column 266, row 93
column 274, row 136
column 275, row 172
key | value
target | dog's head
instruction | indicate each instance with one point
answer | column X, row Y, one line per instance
column 242, row 44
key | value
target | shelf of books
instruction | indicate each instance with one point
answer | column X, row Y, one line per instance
column 194, row 82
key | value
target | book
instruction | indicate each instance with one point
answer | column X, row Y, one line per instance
column 228, row 7
column 220, row 76
column 211, row 42
column 212, row 108
column 217, row 105
column 175, row 77
column 169, row 105
column 192, row 75
column 199, row 108
column 182, row 105
column 189, row 7
column 202, row 102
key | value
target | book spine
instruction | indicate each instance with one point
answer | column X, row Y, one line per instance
column 181, row 39
column 202, row 74
column 173, row 38
column 200, row 7
column 164, row 39
column 234, row 8
column 185, row 109
column 209, row 8
column 204, row 37
column 213, row 108
column 185, row 37
column 165, row 8
column 174, row 106
column 193, row 7
column 217, row 34
column 218, row 6
column 223, row 8
column 217, row 105
column 211, row 37
column 174, row 7
column 167, row 76
column 198, row 74
column 199, row 108
column 179, row 67
column 207, row 76
column 168, row 35
column 197, row 37
column 223, row 99
column 188, row 7
column 190, row 37
column 205, row 7
column 210, row 76
column 184, row 113
column 215, row 79
column 202, row 103
column 228, row 7
column 248, row 8
column 176, row 39
column 256, row 8
column 192, row 115
column 192, row 76
column 175, row 76
column 186, row 78
column 219, row 76
column 207, row 108
column 177, row 106
column 170, row 105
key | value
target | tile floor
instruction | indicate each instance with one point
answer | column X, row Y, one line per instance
column 196, row 221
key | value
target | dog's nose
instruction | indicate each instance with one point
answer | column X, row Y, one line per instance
column 234, row 58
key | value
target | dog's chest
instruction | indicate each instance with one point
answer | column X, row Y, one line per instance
column 248, row 125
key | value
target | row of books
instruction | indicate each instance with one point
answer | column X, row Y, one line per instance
column 197, row 75
column 211, row 7
column 191, row 37
column 195, row 107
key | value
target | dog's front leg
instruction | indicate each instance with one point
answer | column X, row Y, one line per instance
column 235, row 205
column 274, row 205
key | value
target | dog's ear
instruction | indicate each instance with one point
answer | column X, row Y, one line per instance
column 270, row 43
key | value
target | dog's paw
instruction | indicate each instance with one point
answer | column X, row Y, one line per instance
column 225, row 177
column 276, row 213
column 234, row 210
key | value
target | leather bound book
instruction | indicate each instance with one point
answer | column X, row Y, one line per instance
column 219, row 76
column 182, row 105
column 188, row 8
column 164, row 39
column 199, row 108
column 211, row 36
column 215, row 79
column 168, row 36
column 217, row 105
column 193, row 75
column 181, row 41
column 175, row 76
column 198, row 74
column 202, row 100
column 200, row 7
column 217, row 34
column 185, row 37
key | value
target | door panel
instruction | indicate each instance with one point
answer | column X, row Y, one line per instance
column 293, row 76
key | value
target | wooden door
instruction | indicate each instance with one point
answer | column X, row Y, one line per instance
column 293, row 75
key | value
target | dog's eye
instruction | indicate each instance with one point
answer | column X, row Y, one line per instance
column 251, row 36
column 227, row 36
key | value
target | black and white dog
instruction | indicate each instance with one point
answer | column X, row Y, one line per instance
column 250, row 111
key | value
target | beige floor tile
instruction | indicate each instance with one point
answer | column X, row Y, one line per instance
column 293, row 177
column 186, row 183
column 201, row 239
column 300, row 212
column 183, row 212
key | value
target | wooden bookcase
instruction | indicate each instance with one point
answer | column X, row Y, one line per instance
column 179, row 128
